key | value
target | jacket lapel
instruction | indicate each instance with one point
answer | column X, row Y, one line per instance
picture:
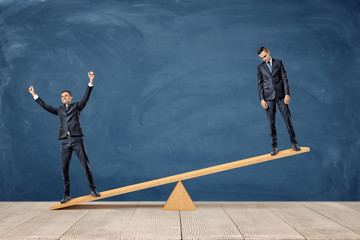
column 274, row 64
column 266, row 67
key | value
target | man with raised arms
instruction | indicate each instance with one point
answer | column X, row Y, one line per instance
column 71, row 134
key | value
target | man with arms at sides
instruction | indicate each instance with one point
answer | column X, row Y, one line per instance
column 273, row 89
column 71, row 134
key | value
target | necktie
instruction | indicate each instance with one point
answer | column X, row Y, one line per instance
column 269, row 66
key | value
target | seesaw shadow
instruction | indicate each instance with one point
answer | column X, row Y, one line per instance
column 113, row 206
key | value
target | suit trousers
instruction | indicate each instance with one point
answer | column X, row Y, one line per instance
column 285, row 112
column 77, row 145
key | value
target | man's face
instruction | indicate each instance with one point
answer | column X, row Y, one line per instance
column 265, row 55
column 66, row 98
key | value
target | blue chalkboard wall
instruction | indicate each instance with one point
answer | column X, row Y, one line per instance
column 175, row 90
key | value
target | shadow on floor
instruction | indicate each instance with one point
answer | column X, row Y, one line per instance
column 112, row 206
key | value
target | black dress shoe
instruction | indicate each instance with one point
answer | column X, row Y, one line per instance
column 95, row 193
column 296, row 147
column 274, row 151
column 65, row 199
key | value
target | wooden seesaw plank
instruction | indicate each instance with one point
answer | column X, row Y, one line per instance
column 182, row 176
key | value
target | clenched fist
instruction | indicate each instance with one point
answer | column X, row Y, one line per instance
column 32, row 91
column 91, row 75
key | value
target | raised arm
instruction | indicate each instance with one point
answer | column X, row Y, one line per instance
column 45, row 106
column 86, row 96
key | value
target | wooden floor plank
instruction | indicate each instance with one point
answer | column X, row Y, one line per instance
column 47, row 225
column 353, row 205
column 256, row 222
column 341, row 214
column 150, row 222
column 209, row 221
column 106, row 220
column 17, row 213
column 5, row 204
column 308, row 223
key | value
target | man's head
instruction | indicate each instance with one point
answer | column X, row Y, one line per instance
column 66, row 97
column 264, row 54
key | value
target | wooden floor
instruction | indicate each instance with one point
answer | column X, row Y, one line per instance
column 211, row 220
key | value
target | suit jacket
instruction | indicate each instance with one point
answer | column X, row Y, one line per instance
column 272, row 84
column 70, row 119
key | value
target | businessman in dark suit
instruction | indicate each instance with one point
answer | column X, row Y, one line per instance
column 273, row 89
column 71, row 134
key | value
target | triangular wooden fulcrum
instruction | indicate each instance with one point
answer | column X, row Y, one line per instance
column 179, row 200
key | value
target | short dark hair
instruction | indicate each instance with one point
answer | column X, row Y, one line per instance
column 66, row 91
column 261, row 49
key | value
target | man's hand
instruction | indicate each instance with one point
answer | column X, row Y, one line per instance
column 91, row 75
column 287, row 99
column 32, row 91
column 264, row 104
